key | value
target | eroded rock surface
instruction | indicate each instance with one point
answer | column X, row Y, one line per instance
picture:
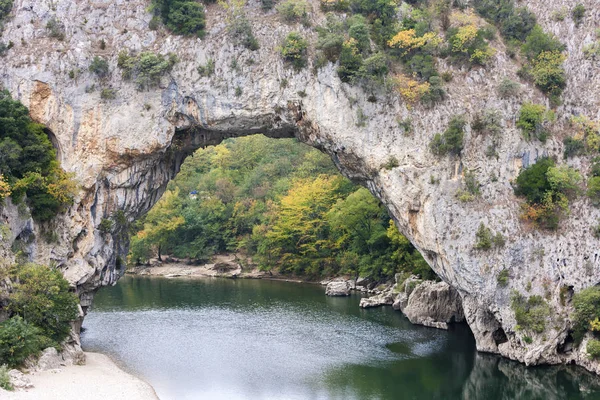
column 338, row 288
column 123, row 152
column 434, row 304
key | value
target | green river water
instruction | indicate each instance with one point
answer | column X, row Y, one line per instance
column 257, row 339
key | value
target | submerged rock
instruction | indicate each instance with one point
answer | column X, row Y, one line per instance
column 338, row 288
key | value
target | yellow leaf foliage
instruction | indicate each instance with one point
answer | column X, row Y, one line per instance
column 410, row 89
column 408, row 40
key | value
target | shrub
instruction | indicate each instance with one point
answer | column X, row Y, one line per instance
column 207, row 69
column 593, row 348
column 502, row 278
column 99, row 66
column 5, row 8
column 532, row 118
column 391, row 163
column 25, row 148
column 548, row 74
column 293, row 10
column 41, row 296
column 573, row 147
column 451, row 141
column 350, row 61
column 483, row 238
column 508, row 88
column 488, row 122
column 587, row 309
column 181, row 17
column 532, row 313
column 593, row 190
column 18, row 340
column 146, row 69
column 578, row 13
column 539, row 42
column 267, row 4
column 240, row 30
column 294, row 50
column 468, row 45
column 5, row 378
column 108, row 94
column 532, row 182
column 56, row 29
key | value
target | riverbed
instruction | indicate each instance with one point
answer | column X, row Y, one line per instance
column 260, row 339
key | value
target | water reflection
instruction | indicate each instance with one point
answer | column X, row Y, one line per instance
column 245, row 339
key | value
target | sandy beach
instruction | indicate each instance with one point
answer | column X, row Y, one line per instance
column 99, row 379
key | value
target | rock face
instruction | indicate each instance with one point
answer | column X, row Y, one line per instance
column 338, row 288
column 433, row 304
column 123, row 152
column 383, row 299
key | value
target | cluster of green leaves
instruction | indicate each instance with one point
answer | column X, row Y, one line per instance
column 182, row 17
column 283, row 204
column 469, row 44
column 593, row 184
column 5, row 9
column 485, row 238
column 294, row 50
column 503, row 277
column 593, row 348
column 146, row 68
column 56, row 29
column 5, row 378
column 531, row 314
column 543, row 51
column 533, row 119
column 451, row 141
column 587, row 312
column 28, row 162
column 547, row 188
column 293, row 10
column 41, row 308
column 99, row 66
column 349, row 42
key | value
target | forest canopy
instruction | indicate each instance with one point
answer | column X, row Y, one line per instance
column 283, row 204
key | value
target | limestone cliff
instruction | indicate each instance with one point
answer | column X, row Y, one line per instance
column 124, row 151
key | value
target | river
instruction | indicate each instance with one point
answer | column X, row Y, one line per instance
column 260, row 339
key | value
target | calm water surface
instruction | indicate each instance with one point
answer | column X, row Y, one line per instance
column 254, row 339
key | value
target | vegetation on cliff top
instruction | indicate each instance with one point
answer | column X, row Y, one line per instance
column 282, row 203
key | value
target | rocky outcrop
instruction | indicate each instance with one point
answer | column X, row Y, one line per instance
column 338, row 288
column 384, row 299
column 19, row 380
column 433, row 304
column 123, row 152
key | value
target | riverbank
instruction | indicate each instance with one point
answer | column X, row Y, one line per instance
column 99, row 379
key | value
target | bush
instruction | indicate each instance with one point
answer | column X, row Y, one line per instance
column 578, row 13
column 573, row 147
column 18, row 340
column 208, row 69
column 532, row 182
column 147, row 68
column 293, row 10
column 41, row 296
column 182, row 17
column 240, row 30
column 99, row 66
column 56, row 28
column 532, row 313
column 350, row 61
column 593, row 348
column 508, row 88
column 108, row 94
column 5, row 378
column 548, row 74
column 539, row 42
column 468, row 45
column 502, row 278
column 451, row 141
column 488, row 123
column 593, row 190
column 267, row 4
column 294, row 50
column 28, row 162
column 532, row 118
column 483, row 238
column 5, row 8
column 587, row 309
